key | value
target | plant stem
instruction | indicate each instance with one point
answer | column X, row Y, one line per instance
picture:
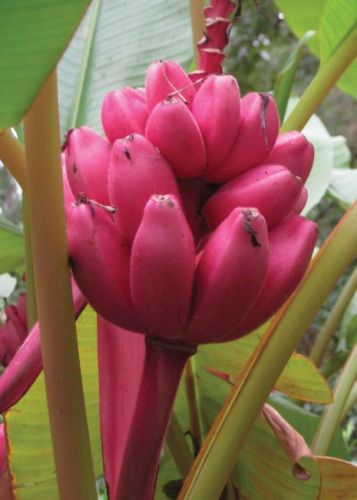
column 69, row 428
column 192, row 402
column 332, row 414
column 160, row 379
column 323, row 81
column 333, row 320
column 218, row 456
column 31, row 304
column 351, row 401
column 178, row 446
column 197, row 23
column 13, row 156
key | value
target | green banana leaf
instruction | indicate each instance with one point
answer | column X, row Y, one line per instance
column 33, row 36
column 300, row 378
column 113, row 47
column 333, row 20
column 30, row 458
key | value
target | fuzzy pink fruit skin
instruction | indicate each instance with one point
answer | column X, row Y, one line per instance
column 162, row 268
column 87, row 158
column 272, row 189
column 216, row 108
column 295, row 152
column 258, row 130
column 300, row 202
column 100, row 262
column 291, row 245
column 124, row 112
column 174, row 130
column 137, row 170
column 229, row 275
column 165, row 79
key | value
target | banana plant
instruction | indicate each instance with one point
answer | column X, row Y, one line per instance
column 181, row 228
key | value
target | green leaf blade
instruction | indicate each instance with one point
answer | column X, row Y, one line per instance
column 33, row 36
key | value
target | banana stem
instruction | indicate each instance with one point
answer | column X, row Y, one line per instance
column 69, row 428
column 332, row 414
column 319, row 349
column 351, row 401
column 161, row 376
column 323, row 81
column 13, row 156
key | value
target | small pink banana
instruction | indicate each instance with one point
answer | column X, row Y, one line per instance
column 272, row 189
column 87, row 158
column 216, row 108
column 165, row 79
column 136, row 171
column 295, row 152
column 124, row 112
column 100, row 262
column 162, row 268
column 229, row 275
column 174, row 130
column 258, row 130
column 287, row 265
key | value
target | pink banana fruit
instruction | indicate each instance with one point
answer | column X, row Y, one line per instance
column 87, row 158
column 287, row 265
column 100, row 262
column 166, row 79
column 216, row 108
column 272, row 189
column 124, row 112
column 136, row 171
column 300, row 202
column 174, row 130
column 295, row 152
column 229, row 275
column 257, row 133
column 162, row 268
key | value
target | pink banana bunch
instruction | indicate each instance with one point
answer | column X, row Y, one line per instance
column 186, row 223
column 14, row 331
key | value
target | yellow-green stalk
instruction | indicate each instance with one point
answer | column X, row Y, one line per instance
column 65, row 399
column 13, row 156
column 333, row 320
column 331, row 418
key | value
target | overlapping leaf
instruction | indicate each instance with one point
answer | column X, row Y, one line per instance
column 33, row 36
column 300, row 378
